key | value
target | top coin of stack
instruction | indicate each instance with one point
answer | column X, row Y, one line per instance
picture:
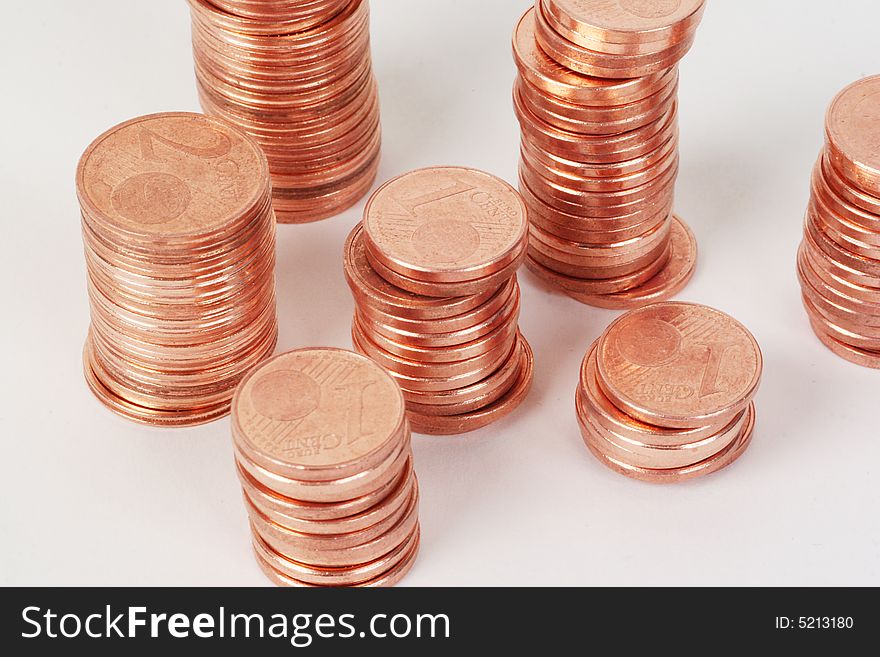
column 296, row 76
column 666, row 393
column 179, row 241
column 619, row 38
column 323, row 452
column 433, row 273
column 839, row 258
column 596, row 98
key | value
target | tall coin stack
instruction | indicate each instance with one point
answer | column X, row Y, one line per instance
column 179, row 239
column 323, row 452
column 596, row 98
column 433, row 272
column 666, row 393
column 296, row 76
column 839, row 258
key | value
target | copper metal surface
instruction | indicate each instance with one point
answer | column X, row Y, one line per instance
column 179, row 241
column 297, row 77
column 838, row 263
column 666, row 393
column 322, row 447
column 432, row 270
column 596, row 99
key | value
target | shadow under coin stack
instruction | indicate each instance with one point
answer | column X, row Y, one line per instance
column 596, row 98
column 297, row 76
column 179, row 241
column 839, row 258
column 322, row 447
column 432, row 269
column 666, row 393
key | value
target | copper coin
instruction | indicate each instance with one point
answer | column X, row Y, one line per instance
column 477, row 286
column 495, row 383
column 447, row 425
column 502, row 334
column 613, row 234
column 831, row 277
column 347, row 513
column 371, row 289
column 445, row 225
column 503, row 307
column 675, row 475
column 180, row 251
column 318, row 543
column 575, row 287
column 385, row 571
column 819, row 235
column 865, row 358
column 426, row 377
column 830, row 201
column 503, row 296
column 331, row 490
column 600, row 64
column 590, row 220
column 590, row 120
column 538, row 161
column 599, row 171
column 546, row 74
column 299, row 80
column 679, row 365
column 860, row 337
column 639, row 455
column 596, row 270
column 673, row 276
column 597, row 148
column 318, row 414
column 860, row 311
column 592, row 401
column 287, row 543
column 845, row 190
column 852, row 133
column 627, row 21
column 602, row 255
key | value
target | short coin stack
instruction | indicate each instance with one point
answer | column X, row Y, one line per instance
column 596, row 99
column 296, row 76
column 666, row 393
column 179, row 241
column 433, row 272
column 839, row 258
column 322, row 447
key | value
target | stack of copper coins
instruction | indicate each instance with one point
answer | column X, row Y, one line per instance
column 180, row 252
column 296, row 76
column 839, row 258
column 596, row 99
column 322, row 447
column 666, row 393
column 433, row 272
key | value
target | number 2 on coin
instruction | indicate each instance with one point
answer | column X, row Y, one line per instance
column 147, row 138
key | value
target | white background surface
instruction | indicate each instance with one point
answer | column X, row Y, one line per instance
column 88, row 498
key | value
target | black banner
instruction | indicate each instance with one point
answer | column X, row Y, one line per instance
column 434, row 621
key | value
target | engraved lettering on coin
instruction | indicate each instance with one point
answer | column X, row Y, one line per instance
column 649, row 342
column 446, row 240
column 650, row 8
column 286, row 395
column 172, row 174
column 678, row 361
column 151, row 198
